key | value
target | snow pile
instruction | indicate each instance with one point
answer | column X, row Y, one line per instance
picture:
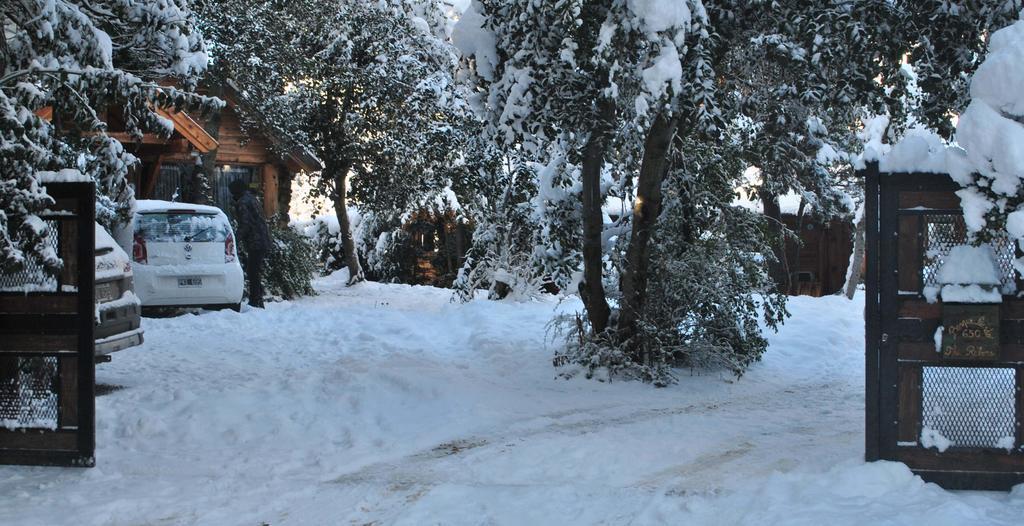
column 969, row 275
column 665, row 22
column 144, row 206
column 327, row 223
column 666, row 70
column 475, row 41
column 872, row 135
column 932, row 438
column 920, row 150
column 1004, row 66
column 879, row 493
column 966, row 264
column 661, row 15
column 67, row 175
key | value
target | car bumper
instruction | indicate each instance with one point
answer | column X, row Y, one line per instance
column 157, row 286
column 118, row 342
column 119, row 326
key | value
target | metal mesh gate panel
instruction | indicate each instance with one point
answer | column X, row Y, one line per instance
column 942, row 232
column 28, row 399
column 972, row 407
column 34, row 277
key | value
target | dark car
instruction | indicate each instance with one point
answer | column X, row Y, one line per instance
column 118, row 309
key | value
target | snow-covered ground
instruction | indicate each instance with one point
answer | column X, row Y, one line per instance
column 388, row 404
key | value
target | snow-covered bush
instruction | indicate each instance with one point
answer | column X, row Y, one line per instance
column 504, row 258
column 383, row 247
column 322, row 233
column 290, row 265
column 74, row 60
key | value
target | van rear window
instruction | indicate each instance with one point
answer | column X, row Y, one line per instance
column 180, row 227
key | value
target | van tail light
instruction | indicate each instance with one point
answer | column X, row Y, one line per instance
column 139, row 253
column 229, row 248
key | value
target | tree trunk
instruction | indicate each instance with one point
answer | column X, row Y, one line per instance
column 646, row 210
column 857, row 258
column 591, row 288
column 778, row 269
column 4, row 52
column 348, row 245
column 202, row 187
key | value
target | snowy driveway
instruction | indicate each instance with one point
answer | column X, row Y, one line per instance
column 387, row 404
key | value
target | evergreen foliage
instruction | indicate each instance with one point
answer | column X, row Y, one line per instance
column 82, row 59
column 291, row 265
column 646, row 92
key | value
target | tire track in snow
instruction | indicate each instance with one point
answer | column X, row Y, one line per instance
column 426, row 468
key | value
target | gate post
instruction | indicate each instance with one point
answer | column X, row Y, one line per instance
column 872, row 315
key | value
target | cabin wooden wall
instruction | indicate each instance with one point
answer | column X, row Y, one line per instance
column 235, row 147
column 437, row 245
column 824, row 253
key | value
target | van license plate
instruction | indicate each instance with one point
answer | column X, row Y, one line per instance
column 190, row 282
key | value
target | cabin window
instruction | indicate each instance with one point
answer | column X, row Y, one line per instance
column 230, row 172
column 171, row 186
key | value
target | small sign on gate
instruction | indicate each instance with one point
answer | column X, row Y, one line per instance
column 971, row 332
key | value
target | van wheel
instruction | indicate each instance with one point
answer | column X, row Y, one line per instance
column 237, row 307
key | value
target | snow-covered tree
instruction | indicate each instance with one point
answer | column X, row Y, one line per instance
column 620, row 97
column 945, row 42
column 369, row 85
column 82, row 59
column 498, row 186
column 604, row 95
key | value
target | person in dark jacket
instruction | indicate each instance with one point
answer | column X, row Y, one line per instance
column 253, row 235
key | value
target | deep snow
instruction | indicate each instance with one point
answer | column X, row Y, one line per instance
column 388, row 404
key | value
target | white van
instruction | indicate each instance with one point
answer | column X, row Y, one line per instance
column 184, row 255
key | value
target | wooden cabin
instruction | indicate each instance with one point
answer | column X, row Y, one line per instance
column 168, row 167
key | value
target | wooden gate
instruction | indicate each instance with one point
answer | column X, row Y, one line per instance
column 46, row 343
column 953, row 418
